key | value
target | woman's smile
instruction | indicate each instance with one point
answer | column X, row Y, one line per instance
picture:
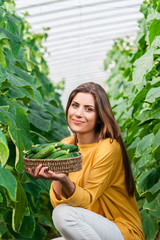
column 77, row 121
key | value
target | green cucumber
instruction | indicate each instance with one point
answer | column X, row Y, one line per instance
column 72, row 148
column 44, row 152
column 36, row 149
column 69, row 155
column 30, row 155
column 58, row 144
column 50, row 156
column 57, row 154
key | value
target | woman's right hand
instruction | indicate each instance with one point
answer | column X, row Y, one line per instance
column 43, row 172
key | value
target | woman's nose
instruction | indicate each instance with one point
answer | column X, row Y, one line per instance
column 79, row 112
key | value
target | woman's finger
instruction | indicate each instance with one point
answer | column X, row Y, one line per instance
column 37, row 170
column 30, row 172
column 42, row 171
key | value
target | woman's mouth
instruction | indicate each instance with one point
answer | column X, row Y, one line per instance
column 77, row 121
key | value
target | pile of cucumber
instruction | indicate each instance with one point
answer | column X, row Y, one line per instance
column 56, row 150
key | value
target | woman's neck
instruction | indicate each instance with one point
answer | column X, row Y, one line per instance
column 86, row 138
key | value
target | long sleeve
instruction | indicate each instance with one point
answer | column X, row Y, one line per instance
column 101, row 177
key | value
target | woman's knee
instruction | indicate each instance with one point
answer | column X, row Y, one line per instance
column 60, row 216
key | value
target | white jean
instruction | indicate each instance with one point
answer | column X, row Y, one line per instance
column 75, row 223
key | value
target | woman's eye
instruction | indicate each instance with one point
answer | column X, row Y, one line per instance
column 74, row 105
column 89, row 109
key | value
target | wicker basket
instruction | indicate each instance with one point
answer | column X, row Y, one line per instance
column 57, row 165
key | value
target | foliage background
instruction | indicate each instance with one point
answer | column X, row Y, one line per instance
column 134, row 90
column 30, row 113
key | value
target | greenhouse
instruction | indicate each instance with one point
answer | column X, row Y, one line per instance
column 79, row 120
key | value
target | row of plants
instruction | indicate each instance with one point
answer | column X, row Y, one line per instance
column 30, row 113
column 134, row 90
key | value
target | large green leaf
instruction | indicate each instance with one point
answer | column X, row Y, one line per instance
column 15, row 40
column 4, row 151
column 20, row 208
column 28, row 226
column 154, row 205
column 7, row 117
column 147, row 180
column 154, row 30
column 20, row 136
column 8, row 181
column 156, row 140
column 150, row 225
column 144, row 146
column 153, row 94
column 141, row 67
column 144, row 160
column 2, row 56
column 155, row 188
column 38, row 121
column 3, row 226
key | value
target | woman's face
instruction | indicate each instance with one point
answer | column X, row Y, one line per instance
column 82, row 115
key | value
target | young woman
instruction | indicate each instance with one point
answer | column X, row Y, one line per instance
column 98, row 202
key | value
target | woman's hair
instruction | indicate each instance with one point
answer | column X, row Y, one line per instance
column 107, row 127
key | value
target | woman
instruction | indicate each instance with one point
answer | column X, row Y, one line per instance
column 98, row 202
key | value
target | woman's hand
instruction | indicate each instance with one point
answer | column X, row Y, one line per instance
column 43, row 172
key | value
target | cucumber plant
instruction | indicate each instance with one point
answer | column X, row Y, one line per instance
column 134, row 87
column 30, row 113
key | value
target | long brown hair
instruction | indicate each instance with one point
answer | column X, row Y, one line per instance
column 106, row 124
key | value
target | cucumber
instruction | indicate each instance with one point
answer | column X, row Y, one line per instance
column 69, row 155
column 57, row 154
column 58, row 144
column 29, row 156
column 72, row 148
column 36, row 149
column 44, row 152
column 50, row 156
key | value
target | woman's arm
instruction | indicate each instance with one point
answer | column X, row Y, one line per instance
column 61, row 181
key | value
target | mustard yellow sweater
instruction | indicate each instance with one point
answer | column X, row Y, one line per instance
column 100, row 187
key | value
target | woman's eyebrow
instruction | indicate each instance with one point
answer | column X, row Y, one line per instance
column 88, row 105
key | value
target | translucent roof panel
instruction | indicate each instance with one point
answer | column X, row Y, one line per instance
column 81, row 32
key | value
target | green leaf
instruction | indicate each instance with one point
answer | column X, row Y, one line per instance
column 4, row 150
column 144, row 160
column 7, row 117
column 39, row 233
column 154, row 205
column 153, row 94
column 144, row 145
column 3, row 225
column 156, row 128
column 140, row 96
column 1, row 198
column 28, row 226
column 20, row 208
column 141, row 67
column 2, row 57
column 147, row 180
column 155, row 188
column 150, row 225
column 15, row 40
column 154, row 30
column 156, row 140
column 17, row 93
column 8, row 181
column 20, row 136
column 39, row 122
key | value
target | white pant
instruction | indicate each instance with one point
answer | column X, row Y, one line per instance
column 75, row 223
